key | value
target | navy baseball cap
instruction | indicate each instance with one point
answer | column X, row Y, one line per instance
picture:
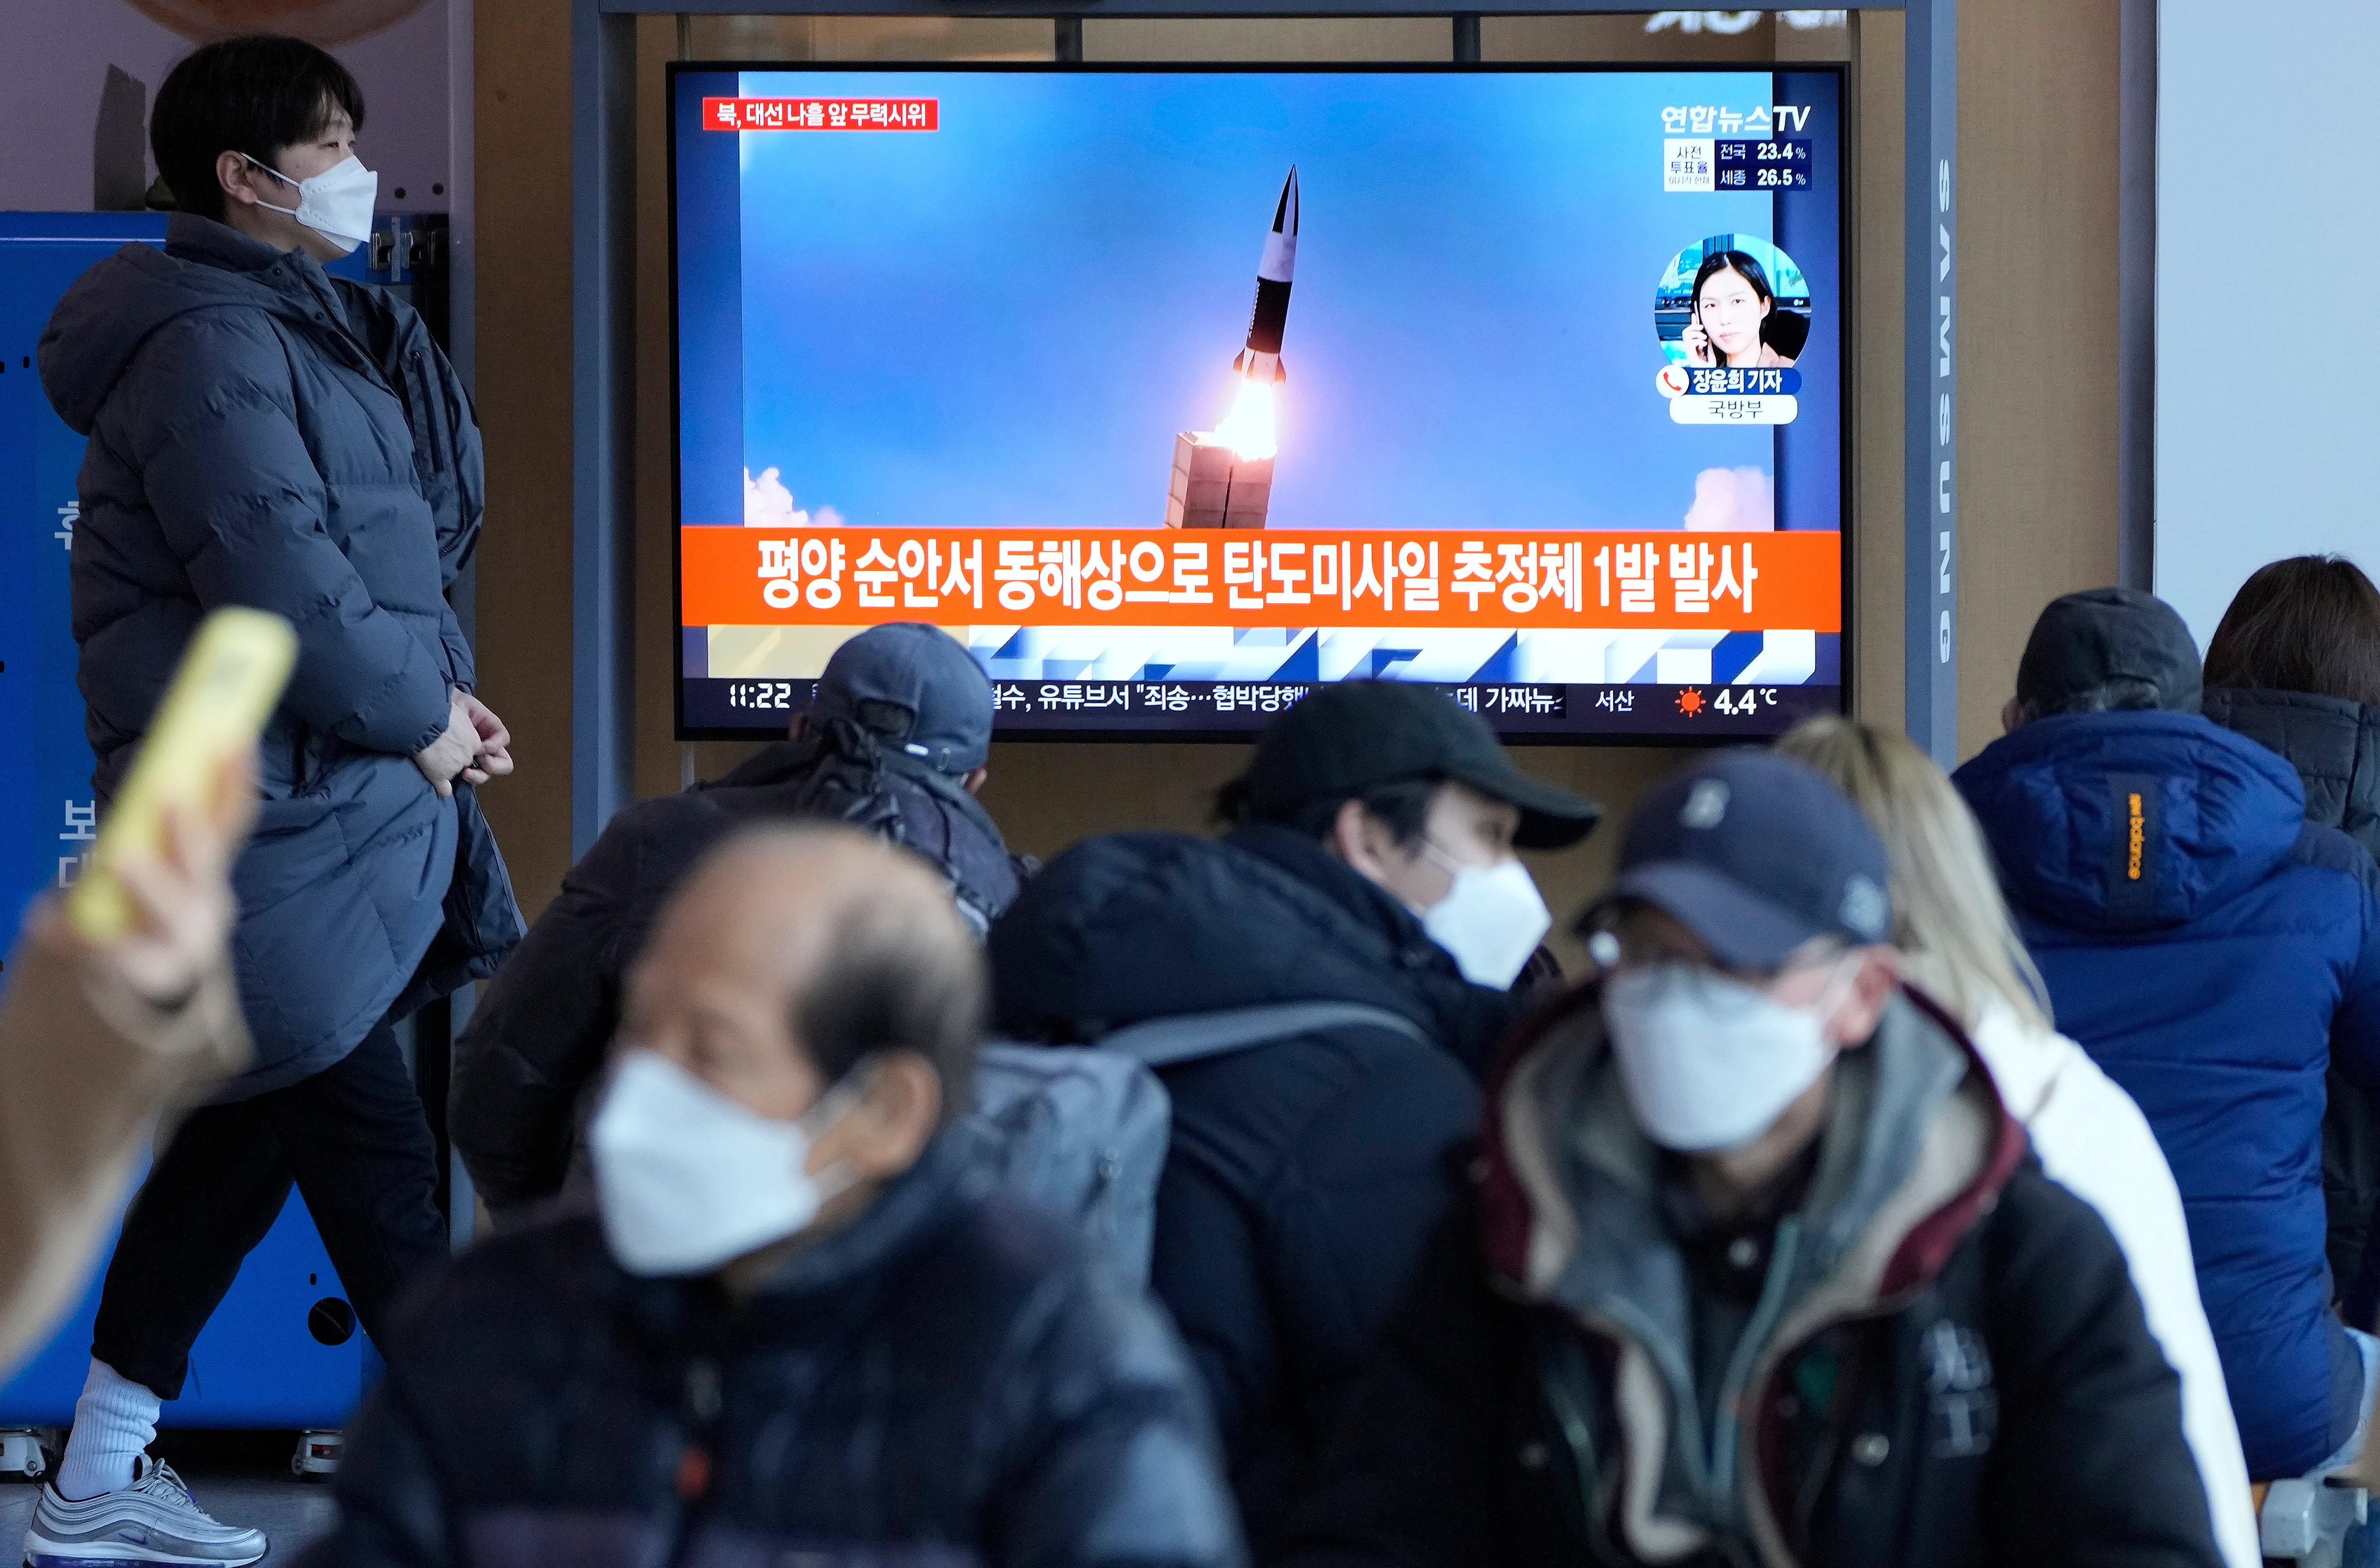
column 917, row 687
column 1349, row 736
column 2086, row 639
column 1756, row 853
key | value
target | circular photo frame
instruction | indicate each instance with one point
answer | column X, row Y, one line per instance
column 1734, row 300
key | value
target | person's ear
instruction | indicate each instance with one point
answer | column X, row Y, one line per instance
column 973, row 783
column 238, row 179
column 1877, row 979
column 884, row 1135
column 2011, row 717
column 1357, row 838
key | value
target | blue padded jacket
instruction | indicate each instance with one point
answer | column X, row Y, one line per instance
column 2213, row 951
column 266, row 435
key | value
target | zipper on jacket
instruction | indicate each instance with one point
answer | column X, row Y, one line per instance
column 698, row 1465
column 1765, row 1314
column 1775, row 1357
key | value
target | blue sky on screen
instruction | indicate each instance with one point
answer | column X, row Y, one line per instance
column 1006, row 321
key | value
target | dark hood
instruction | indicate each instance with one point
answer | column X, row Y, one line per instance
column 2332, row 742
column 1153, row 925
column 2216, row 812
column 839, row 771
column 109, row 311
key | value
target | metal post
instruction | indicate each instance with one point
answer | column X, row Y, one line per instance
column 602, row 58
column 1466, row 38
column 1931, row 526
column 2136, row 263
column 1069, row 50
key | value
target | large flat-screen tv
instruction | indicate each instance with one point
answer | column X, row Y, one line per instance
column 1173, row 393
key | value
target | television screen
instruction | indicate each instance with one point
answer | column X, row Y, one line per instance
column 1173, row 393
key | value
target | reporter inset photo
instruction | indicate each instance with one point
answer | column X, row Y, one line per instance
column 1732, row 301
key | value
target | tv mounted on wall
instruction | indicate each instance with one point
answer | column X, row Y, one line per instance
column 1173, row 393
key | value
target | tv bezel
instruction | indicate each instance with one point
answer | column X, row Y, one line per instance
column 1846, row 293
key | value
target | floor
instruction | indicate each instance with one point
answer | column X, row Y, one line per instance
column 240, row 1477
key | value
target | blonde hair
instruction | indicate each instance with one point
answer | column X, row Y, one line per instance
column 1948, row 917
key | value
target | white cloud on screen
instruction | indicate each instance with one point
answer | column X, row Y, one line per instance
column 1729, row 501
column 769, row 505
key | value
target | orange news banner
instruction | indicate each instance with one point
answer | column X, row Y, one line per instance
column 1289, row 577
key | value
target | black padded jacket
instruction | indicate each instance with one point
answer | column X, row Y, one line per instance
column 1304, row 1174
column 537, row 1037
column 944, row 1382
column 1947, row 1364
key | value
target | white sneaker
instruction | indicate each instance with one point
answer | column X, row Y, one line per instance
column 153, row 1520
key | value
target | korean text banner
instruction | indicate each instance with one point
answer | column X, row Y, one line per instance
column 1275, row 578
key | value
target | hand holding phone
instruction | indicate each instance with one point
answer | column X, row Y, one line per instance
column 1697, row 341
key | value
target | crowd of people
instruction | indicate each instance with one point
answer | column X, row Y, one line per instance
column 1967, row 1168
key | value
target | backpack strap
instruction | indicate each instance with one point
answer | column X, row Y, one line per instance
column 1194, row 1036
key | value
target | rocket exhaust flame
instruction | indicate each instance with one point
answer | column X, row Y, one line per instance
column 1248, row 428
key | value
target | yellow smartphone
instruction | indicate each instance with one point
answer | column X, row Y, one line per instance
column 225, row 688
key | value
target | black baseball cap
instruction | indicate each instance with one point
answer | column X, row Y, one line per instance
column 1756, row 853
column 1354, row 736
column 926, row 674
column 2102, row 634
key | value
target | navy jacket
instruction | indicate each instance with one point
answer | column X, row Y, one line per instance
column 2214, row 952
column 262, row 435
column 1305, row 1175
column 944, row 1382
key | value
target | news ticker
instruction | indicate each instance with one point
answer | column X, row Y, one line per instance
column 1551, row 710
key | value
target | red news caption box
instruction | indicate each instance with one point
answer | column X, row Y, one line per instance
column 822, row 113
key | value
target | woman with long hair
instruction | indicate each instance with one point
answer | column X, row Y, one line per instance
column 1732, row 306
column 1961, row 948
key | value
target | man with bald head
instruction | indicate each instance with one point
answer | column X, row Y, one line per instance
column 799, row 1327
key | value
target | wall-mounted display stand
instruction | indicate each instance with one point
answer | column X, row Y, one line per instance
column 604, row 136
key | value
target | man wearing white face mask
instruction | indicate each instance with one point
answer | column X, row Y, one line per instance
column 1371, row 867
column 799, row 1327
column 1760, row 1270
column 263, row 435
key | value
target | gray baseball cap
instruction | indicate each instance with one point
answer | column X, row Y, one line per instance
column 917, row 687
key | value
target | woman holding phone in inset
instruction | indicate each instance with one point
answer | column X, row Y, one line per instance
column 1732, row 306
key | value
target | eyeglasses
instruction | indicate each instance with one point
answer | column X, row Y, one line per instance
column 1615, row 951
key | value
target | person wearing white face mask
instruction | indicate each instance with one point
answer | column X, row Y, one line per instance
column 799, row 1326
column 263, row 435
column 1760, row 1268
column 1371, row 867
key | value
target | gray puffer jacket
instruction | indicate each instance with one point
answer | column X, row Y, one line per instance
column 264, row 435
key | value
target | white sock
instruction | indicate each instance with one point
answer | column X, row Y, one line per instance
column 115, row 1420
